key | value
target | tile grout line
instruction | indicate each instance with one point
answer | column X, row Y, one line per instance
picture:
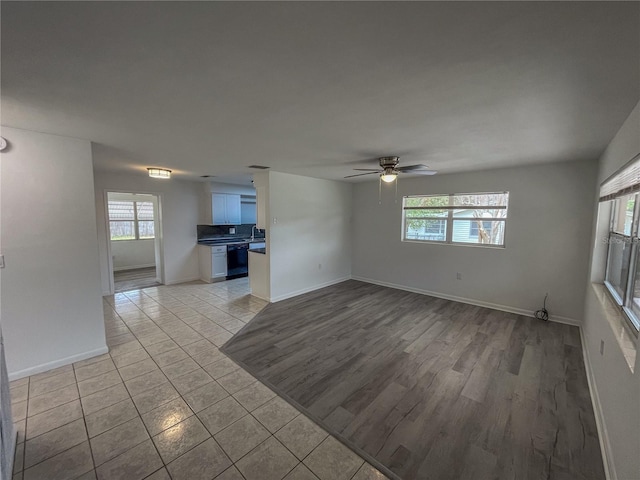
column 84, row 420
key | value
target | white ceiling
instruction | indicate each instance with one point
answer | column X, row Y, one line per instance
column 320, row 88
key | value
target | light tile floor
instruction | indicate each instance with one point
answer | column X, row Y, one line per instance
column 165, row 403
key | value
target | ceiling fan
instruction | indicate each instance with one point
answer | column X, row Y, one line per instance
column 390, row 169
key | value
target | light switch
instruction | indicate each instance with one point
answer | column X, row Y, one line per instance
column 1, row 261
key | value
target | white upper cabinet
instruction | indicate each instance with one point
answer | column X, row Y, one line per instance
column 233, row 209
column 225, row 209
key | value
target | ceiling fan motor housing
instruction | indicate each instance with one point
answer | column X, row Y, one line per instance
column 389, row 162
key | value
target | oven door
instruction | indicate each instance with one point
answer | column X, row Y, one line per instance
column 237, row 260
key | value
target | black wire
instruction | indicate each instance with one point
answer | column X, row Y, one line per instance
column 543, row 314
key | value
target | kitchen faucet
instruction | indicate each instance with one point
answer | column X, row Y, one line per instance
column 253, row 233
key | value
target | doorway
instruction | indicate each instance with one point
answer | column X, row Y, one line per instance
column 134, row 238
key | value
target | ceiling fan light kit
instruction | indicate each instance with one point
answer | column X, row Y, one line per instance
column 390, row 169
column 388, row 177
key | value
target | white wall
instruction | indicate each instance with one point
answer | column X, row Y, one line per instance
column 547, row 240
column 309, row 233
column 51, row 305
column 129, row 254
column 179, row 204
column 615, row 387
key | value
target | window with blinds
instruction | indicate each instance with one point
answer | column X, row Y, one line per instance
column 622, row 277
column 131, row 220
column 624, row 182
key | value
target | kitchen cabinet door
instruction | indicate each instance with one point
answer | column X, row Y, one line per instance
column 219, row 208
column 234, row 209
column 226, row 209
column 218, row 262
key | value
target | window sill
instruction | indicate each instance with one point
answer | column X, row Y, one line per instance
column 456, row 244
column 627, row 341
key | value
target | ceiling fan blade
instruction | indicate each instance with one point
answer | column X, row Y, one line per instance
column 368, row 169
column 361, row 174
column 419, row 172
column 412, row 167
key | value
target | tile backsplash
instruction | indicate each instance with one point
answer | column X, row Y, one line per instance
column 213, row 231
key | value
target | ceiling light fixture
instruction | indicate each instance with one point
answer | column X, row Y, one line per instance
column 388, row 176
column 159, row 172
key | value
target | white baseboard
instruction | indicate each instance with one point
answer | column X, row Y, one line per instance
column 603, row 433
column 260, row 297
column 470, row 301
column 308, row 289
column 182, row 280
column 133, row 267
column 57, row 363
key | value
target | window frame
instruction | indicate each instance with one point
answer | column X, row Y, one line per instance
column 450, row 218
column 135, row 220
column 632, row 320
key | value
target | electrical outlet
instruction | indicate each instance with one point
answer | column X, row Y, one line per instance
column 601, row 347
column 275, row 220
column 458, row 276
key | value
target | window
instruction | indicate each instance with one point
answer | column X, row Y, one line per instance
column 461, row 218
column 131, row 220
column 622, row 275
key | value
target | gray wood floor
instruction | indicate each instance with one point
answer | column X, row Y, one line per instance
column 125, row 280
column 429, row 388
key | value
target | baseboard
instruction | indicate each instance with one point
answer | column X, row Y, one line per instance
column 183, row 280
column 565, row 320
column 603, row 433
column 134, row 267
column 308, row 289
column 57, row 363
column 470, row 301
column 260, row 297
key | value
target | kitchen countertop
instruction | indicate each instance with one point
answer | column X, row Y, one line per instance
column 263, row 250
column 230, row 241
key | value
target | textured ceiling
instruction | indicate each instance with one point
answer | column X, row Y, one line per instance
column 320, row 88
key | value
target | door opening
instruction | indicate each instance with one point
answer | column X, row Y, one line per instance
column 134, row 236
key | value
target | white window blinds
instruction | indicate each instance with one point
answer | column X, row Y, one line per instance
column 622, row 183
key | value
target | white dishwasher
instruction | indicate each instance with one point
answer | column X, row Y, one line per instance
column 219, row 261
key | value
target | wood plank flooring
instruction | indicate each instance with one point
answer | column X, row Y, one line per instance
column 126, row 280
column 428, row 388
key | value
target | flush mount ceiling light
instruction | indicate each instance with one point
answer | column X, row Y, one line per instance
column 159, row 173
